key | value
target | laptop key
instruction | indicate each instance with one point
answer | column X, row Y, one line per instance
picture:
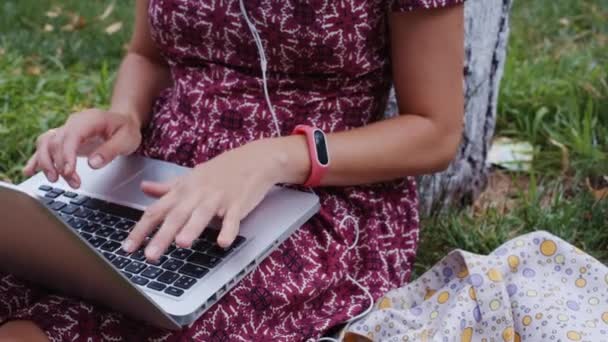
column 124, row 225
column 46, row 201
column 218, row 251
column 174, row 291
column 57, row 205
column 210, row 234
column 122, row 211
column 159, row 262
column 77, row 223
column 202, row 245
column 128, row 275
column 90, row 227
column 135, row 267
column 70, row 194
column 57, row 191
column 203, row 260
column 237, row 241
column 83, row 212
column 184, row 283
column 139, row 280
column 139, row 255
column 181, row 253
column 173, row 264
column 121, row 262
column 79, row 200
column 151, row 272
column 111, row 246
column 51, row 194
column 97, row 241
column 69, row 209
column 193, row 270
column 109, row 256
column 157, row 286
column 86, row 236
column 110, row 220
column 168, row 277
column 96, row 217
column 119, row 235
column 95, row 204
column 105, row 232
column 122, row 252
column 45, row 188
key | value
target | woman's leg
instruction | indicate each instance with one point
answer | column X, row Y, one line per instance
column 21, row 331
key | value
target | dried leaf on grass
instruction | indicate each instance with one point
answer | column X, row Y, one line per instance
column 107, row 12
column 115, row 27
column 48, row 28
column 2, row 51
column 33, row 70
column 500, row 192
column 77, row 22
column 54, row 12
column 565, row 155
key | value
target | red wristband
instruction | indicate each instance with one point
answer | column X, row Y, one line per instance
column 318, row 152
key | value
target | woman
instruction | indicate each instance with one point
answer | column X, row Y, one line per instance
column 190, row 91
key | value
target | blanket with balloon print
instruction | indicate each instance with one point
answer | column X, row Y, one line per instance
column 535, row 287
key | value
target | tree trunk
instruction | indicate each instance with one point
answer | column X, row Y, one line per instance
column 487, row 30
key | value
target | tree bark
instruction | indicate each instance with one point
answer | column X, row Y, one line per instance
column 487, row 31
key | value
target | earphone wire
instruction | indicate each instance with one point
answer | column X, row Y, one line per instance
column 264, row 66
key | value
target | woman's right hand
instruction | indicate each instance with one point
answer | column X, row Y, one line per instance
column 56, row 149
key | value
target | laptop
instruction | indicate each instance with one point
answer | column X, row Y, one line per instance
column 70, row 241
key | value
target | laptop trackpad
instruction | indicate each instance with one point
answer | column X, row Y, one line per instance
column 121, row 179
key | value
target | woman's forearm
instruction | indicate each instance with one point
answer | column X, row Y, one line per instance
column 406, row 145
column 138, row 82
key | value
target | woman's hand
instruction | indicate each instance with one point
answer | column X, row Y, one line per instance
column 56, row 149
column 228, row 186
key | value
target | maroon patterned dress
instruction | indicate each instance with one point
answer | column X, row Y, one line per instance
column 328, row 67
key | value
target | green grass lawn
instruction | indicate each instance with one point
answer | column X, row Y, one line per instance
column 57, row 60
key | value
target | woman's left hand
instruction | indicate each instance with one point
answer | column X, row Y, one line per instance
column 228, row 186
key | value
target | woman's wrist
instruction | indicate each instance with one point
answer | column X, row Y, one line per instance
column 290, row 161
column 133, row 115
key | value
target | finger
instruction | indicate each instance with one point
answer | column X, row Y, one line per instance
column 74, row 181
column 111, row 149
column 174, row 222
column 156, row 189
column 45, row 162
column 70, row 147
column 30, row 167
column 200, row 218
column 56, row 150
column 151, row 218
column 230, row 227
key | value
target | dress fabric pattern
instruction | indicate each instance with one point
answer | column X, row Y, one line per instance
column 328, row 67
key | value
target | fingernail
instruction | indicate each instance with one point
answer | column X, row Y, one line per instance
column 96, row 161
column 127, row 245
column 152, row 252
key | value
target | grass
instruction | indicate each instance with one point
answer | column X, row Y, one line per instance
column 554, row 95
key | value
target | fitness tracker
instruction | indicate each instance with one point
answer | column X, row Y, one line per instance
column 318, row 152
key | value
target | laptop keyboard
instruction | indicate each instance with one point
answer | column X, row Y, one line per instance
column 105, row 225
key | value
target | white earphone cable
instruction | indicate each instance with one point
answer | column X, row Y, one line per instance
column 264, row 65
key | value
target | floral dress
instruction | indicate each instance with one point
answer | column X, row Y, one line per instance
column 328, row 67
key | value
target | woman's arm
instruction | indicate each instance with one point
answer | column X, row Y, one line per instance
column 143, row 72
column 427, row 50
column 427, row 55
column 141, row 77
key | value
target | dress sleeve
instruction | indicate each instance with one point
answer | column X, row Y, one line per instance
column 410, row 5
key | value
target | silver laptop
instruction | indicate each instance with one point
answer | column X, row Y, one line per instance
column 70, row 241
